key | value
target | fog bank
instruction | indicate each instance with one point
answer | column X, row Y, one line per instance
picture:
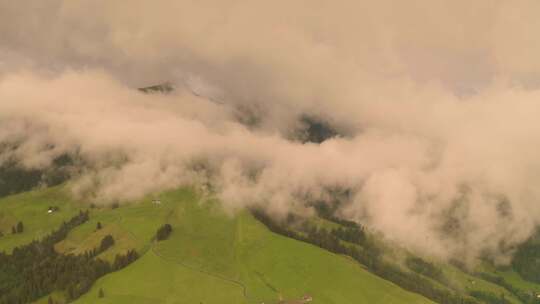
column 439, row 102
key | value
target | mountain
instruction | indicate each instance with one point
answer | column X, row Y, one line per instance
column 311, row 128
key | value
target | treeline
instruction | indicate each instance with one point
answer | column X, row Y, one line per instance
column 106, row 243
column 35, row 270
column 369, row 254
column 526, row 260
column 489, row 297
column 523, row 296
column 425, row 268
column 14, row 178
column 327, row 212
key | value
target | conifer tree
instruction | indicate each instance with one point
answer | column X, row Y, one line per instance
column 20, row 227
column 163, row 232
column 106, row 243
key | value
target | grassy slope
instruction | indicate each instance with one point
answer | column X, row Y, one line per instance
column 154, row 280
column 206, row 240
column 467, row 282
column 513, row 278
column 31, row 208
column 132, row 226
column 457, row 279
column 214, row 258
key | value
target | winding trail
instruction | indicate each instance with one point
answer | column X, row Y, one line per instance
column 214, row 275
column 153, row 249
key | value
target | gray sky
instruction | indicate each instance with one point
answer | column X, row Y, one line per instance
column 440, row 99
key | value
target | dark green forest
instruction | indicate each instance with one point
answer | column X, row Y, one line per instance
column 35, row 270
column 15, row 178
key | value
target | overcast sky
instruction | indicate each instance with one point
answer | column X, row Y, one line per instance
column 439, row 100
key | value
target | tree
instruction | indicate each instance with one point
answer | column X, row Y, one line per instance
column 121, row 261
column 106, row 243
column 101, row 294
column 163, row 232
column 13, row 230
column 20, row 227
column 71, row 292
column 98, row 226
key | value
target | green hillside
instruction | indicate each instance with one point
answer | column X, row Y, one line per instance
column 210, row 257
column 215, row 257
column 31, row 209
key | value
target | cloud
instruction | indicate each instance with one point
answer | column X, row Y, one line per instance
column 439, row 101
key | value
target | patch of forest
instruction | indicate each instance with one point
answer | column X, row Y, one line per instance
column 35, row 270
column 15, row 178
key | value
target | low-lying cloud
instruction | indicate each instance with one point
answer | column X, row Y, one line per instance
column 439, row 102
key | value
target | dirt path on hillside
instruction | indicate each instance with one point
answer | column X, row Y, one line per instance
column 153, row 249
column 214, row 275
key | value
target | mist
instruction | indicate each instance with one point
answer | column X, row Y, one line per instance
column 436, row 104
